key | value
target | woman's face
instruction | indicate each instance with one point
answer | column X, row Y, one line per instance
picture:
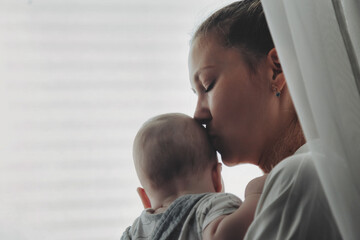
column 233, row 103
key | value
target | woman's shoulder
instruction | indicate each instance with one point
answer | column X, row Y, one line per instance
column 293, row 192
column 296, row 174
column 299, row 165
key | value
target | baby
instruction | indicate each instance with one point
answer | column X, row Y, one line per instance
column 182, row 185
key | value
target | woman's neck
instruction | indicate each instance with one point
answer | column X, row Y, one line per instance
column 284, row 146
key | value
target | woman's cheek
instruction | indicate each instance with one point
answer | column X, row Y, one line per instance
column 219, row 106
column 214, row 100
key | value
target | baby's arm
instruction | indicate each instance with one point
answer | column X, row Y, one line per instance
column 235, row 225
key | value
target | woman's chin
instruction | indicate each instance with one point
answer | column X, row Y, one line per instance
column 229, row 160
column 228, row 157
column 232, row 160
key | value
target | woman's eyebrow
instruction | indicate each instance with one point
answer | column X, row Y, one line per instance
column 203, row 68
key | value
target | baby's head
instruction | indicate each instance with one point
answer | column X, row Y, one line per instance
column 172, row 155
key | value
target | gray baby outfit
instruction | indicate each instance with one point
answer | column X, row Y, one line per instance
column 185, row 218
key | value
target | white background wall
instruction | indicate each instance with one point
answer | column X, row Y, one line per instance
column 77, row 79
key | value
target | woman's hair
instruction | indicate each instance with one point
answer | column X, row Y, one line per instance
column 241, row 25
column 171, row 146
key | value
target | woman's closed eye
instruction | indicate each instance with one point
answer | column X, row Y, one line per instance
column 210, row 86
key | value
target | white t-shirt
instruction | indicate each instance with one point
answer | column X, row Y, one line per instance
column 207, row 208
column 293, row 204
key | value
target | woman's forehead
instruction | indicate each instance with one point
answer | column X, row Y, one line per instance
column 204, row 51
column 207, row 52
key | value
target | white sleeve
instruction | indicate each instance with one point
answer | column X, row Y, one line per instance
column 293, row 204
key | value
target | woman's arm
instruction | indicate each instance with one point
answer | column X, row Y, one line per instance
column 235, row 225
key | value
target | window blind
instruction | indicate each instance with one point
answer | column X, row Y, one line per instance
column 78, row 78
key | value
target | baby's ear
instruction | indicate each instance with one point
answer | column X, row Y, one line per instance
column 216, row 178
column 144, row 197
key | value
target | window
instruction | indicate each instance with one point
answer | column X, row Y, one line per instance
column 78, row 78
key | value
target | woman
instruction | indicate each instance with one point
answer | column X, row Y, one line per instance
column 246, row 107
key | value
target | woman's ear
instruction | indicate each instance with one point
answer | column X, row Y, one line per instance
column 144, row 197
column 216, row 177
column 278, row 79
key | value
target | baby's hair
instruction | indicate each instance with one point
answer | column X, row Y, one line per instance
column 170, row 146
column 241, row 25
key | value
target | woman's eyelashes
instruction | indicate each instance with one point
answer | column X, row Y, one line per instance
column 210, row 86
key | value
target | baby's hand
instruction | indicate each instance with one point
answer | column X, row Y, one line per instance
column 255, row 186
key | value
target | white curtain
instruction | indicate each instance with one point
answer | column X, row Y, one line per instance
column 318, row 43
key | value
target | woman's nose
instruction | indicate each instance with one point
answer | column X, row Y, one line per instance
column 202, row 112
